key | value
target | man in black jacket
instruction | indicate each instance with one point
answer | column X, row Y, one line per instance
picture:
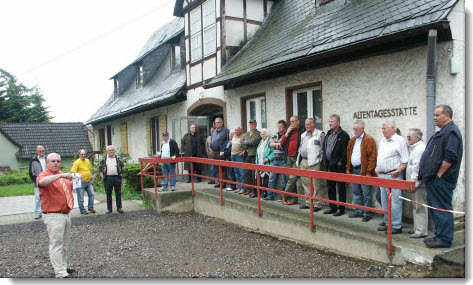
column 335, row 159
column 111, row 170
column 439, row 169
column 169, row 149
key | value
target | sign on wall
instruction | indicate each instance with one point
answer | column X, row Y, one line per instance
column 386, row 113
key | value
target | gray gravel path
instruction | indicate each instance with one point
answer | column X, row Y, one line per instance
column 150, row 245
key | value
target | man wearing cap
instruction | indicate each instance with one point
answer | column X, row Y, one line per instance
column 57, row 200
column 250, row 143
column 169, row 149
column 219, row 137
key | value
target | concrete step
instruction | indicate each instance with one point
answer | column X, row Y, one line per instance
column 342, row 235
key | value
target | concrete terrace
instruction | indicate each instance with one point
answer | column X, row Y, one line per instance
column 343, row 235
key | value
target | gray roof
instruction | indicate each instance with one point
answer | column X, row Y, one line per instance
column 66, row 139
column 155, row 91
column 156, row 88
column 296, row 30
column 162, row 35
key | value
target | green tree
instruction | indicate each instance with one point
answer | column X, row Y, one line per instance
column 19, row 103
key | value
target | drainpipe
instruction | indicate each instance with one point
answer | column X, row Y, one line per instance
column 431, row 68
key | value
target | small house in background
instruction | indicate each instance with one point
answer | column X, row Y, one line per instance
column 18, row 142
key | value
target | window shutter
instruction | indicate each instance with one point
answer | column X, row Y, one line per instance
column 162, row 127
column 148, row 136
column 124, row 137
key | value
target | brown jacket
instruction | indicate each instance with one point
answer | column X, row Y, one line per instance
column 369, row 154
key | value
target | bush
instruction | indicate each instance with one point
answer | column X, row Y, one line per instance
column 133, row 181
column 15, row 178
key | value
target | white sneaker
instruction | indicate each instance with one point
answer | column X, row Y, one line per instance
column 37, row 217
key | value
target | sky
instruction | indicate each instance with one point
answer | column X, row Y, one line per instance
column 70, row 49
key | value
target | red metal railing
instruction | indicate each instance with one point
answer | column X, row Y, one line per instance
column 348, row 178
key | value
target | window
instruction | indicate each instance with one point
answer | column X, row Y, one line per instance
column 109, row 135
column 102, row 143
column 210, row 40
column 307, row 103
column 176, row 56
column 115, row 87
column 139, row 76
column 256, row 110
column 203, row 27
column 196, row 44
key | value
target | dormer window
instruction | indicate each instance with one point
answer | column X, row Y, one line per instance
column 115, row 87
column 176, row 56
column 139, row 76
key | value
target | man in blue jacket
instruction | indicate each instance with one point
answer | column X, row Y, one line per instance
column 439, row 168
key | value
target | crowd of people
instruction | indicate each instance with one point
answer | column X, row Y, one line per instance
column 434, row 167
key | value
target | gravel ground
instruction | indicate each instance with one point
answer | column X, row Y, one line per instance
column 150, row 245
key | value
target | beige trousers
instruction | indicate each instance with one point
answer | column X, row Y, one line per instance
column 306, row 182
column 59, row 232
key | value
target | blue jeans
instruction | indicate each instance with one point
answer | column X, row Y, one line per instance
column 37, row 202
column 231, row 177
column 361, row 195
column 240, row 173
column 273, row 178
column 169, row 169
column 86, row 186
column 439, row 194
column 396, row 203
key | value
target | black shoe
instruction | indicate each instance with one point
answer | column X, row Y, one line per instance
column 435, row 244
column 366, row 218
column 199, row 179
column 338, row 213
column 92, row 211
column 211, row 182
column 189, row 181
column 382, row 224
column 70, row 270
column 217, row 186
column 70, row 276
column 304, row 207
column 269, row 198
column 329, row 211
column 395, row 231
column 382, row 228
column 431, row 239
column 120, row 211
column 253, row 196
column 109, row 211
column 355, row 215
column 316, row 209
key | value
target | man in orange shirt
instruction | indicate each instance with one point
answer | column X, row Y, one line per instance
column 55, row 190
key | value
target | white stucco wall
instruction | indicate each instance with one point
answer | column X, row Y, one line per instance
column 7, row 155
column 394, row 80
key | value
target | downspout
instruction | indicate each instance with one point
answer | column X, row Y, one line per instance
column 431, row 68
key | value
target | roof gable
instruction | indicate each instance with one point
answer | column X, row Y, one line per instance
column 65, row 139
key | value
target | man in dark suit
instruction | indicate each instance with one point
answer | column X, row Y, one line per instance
column 335, row 159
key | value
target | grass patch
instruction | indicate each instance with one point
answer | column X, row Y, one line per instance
column 17, row 190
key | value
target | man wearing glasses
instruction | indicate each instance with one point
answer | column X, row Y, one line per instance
column 55, row 189
column 84, row 168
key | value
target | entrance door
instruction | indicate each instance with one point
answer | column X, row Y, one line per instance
column 180, row 127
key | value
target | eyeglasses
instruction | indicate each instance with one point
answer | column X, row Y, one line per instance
column 408, row 137
column 55, row 161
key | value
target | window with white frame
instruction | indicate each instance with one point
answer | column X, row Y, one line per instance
column 256, row 110
column 307, row 103
column 203, row 30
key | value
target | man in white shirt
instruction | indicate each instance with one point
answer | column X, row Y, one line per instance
column 393, row 155
column 420, row 213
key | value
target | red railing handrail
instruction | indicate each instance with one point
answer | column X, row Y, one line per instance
column 348, row 178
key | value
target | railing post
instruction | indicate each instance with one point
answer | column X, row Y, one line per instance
column 222, row 202
column 390, row 242
column 154, row 178
column 258, row 184
column 311, row 194
column 192, row 176
column 141, row 178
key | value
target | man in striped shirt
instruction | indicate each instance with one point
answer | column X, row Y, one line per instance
column 393, row 155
